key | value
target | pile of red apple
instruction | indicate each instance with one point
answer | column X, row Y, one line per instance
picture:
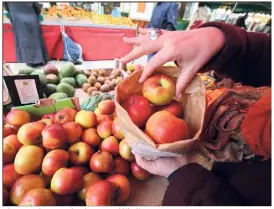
column 157, row 112
column 67, row 158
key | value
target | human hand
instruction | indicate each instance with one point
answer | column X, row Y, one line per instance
column 163, row 166
column 191, row 49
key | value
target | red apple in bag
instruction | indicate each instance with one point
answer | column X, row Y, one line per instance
column 163, row 127
column 159, row 89
column 139, row 109
column 174, row 107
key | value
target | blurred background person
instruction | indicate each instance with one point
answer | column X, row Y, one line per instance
column 29, row 42
column 200, row 16
column 164, row 16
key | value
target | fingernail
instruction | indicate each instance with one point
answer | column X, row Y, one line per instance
column 141, row 80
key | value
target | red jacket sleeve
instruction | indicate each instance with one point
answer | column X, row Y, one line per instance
column 245, row 57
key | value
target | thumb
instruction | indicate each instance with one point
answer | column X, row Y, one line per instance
column 143, row 163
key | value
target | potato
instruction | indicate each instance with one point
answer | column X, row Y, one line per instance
column 91, row 89
column 87, row 73
column 102, row 73
column 116, row 73
column 94, row 73
column 92, row 80
column 111, row 77
column 86, row 86
column 95, row 93
column 107, row 81
column 105, row 88
column 101, row 79
column 112, row 84
column 97, row 85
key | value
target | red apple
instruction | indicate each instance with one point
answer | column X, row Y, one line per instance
column 54, row 160
column 174, row 107
column 86, row 119
column 82, row 169
column 121, row 166
column 100, row 193
column 138, row 172
column 9, row 175
column 101, row 162
column 38, row 197
column 66, row 181
column 54, row 136
column 9, row 153
column 48, row 116
column 64, row 116
column 8, row 130
column 122, row 186
column 125, row 151
column 46, row 122
column 73, row 131
column 104, row 129
column 13, row 140
column 31, row 133
column 111, row 145
column 159, row 89
column 88, row 180
column 139, row 109
column 28, row 159
column 23, row 185
column 91, row 137
column 106, row 107
column 17, row 117
column 164, row 127
column 5, row 196
column 97, row 112
column 116, row 130
column 80, row 153
column 103, row 118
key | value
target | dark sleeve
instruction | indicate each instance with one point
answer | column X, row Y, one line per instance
column 245, row 57
column 37, row 8
column 252, row 180
column 172, row 16
column 193, row 185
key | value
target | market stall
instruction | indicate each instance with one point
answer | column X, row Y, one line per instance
column 98, row 42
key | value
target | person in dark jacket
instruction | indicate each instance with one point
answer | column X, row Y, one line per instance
column 164, row 16
column 233, row 53
column 30, row 46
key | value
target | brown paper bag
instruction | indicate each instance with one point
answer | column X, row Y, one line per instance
column 194, row 105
